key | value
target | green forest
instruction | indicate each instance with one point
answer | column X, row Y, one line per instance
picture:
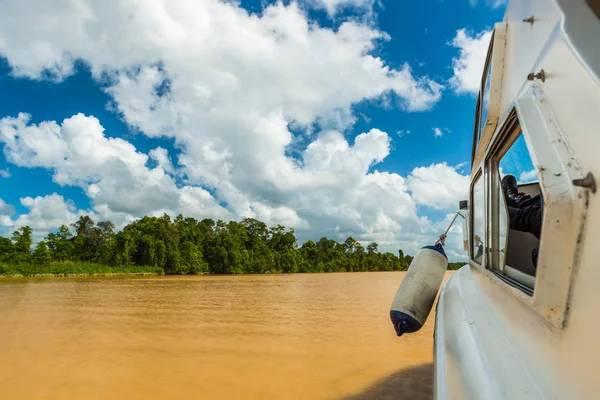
column 160, row 245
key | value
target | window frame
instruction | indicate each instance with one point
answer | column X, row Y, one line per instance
column 479, row 175
column 495, row 63
column 508, row 135
column 564, row 206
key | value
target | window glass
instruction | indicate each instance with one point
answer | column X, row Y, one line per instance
column 502, row 226
column 520, row 208
column 517, row 162
column 478, row 221
column 485, row 100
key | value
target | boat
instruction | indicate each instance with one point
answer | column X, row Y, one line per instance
column 521, row 319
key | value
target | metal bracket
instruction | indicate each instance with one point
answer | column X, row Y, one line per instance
column 588, row 182
column 540, row 75
column 529, row 20
column 442, row 238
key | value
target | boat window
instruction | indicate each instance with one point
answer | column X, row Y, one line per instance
column 502, row 225
column 519, row 212
column 478, row 221
column 483, row 100
column 485, row 96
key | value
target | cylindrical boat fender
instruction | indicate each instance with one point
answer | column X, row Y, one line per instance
column 418, row 290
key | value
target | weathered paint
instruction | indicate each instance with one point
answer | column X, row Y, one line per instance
column 493, row 340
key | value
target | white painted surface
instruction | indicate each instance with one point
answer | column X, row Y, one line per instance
column 492, row 340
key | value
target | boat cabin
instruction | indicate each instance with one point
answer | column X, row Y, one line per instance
column 519, row 321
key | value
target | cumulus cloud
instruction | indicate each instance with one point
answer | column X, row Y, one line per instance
column 335, row 6
column 438, row 186
column 47, row 212
column 439, row 132
column 528, row 176
column 211, row 52
column 468, row 66
column 225, row 86
column 490, row 3
column 329, row 191
column 110, row 170
column 6, row 209
column 4, row 173
column 161, row 156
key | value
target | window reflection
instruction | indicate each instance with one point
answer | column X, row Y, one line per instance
column 517, row 162
column 478, row 221
column 502, row 226
column 485, row 100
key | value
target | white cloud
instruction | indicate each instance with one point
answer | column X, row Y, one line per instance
column 5, row 220
column 403, row 132
column 47, row 212
column 329, row 192
column 6, row 209
column 110, row 170
column 490, row 3
column 161, row 156
column 335, row 6
column 439, row 132
column 468, row 66
column 438, row 186
column 257, row 64
column 225, row 86
column 460, row 165
column 528, row 176
column 4, row 173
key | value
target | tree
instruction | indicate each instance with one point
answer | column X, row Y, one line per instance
column 184, row 245
column 107, row 228
column 23, row 240
column 145, row 251
column 83, row 225
column 349, row 246
column 60, row 244
column 160, row 254
column 124, row 248
column 372, row 248
column 191, row 259
column 6, row 248
column 41, row 255
column 310, row 255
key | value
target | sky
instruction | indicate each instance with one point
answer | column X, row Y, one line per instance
column 333, row 117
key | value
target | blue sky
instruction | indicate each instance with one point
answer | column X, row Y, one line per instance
column 335, row 117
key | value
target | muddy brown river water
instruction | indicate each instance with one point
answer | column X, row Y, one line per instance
column 304, row 336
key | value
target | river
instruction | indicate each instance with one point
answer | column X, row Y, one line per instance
column 303, row 336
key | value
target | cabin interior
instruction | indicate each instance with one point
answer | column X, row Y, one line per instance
column 520, row 245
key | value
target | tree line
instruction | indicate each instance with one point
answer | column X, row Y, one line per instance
column 189, row 246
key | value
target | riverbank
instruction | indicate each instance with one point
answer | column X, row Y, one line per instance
column 67, row 269
column 75, row 269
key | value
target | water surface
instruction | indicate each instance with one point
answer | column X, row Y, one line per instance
column 304, row 336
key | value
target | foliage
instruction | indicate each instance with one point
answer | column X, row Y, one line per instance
column 453, row 266
column 187, row 246
column 59, row 268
